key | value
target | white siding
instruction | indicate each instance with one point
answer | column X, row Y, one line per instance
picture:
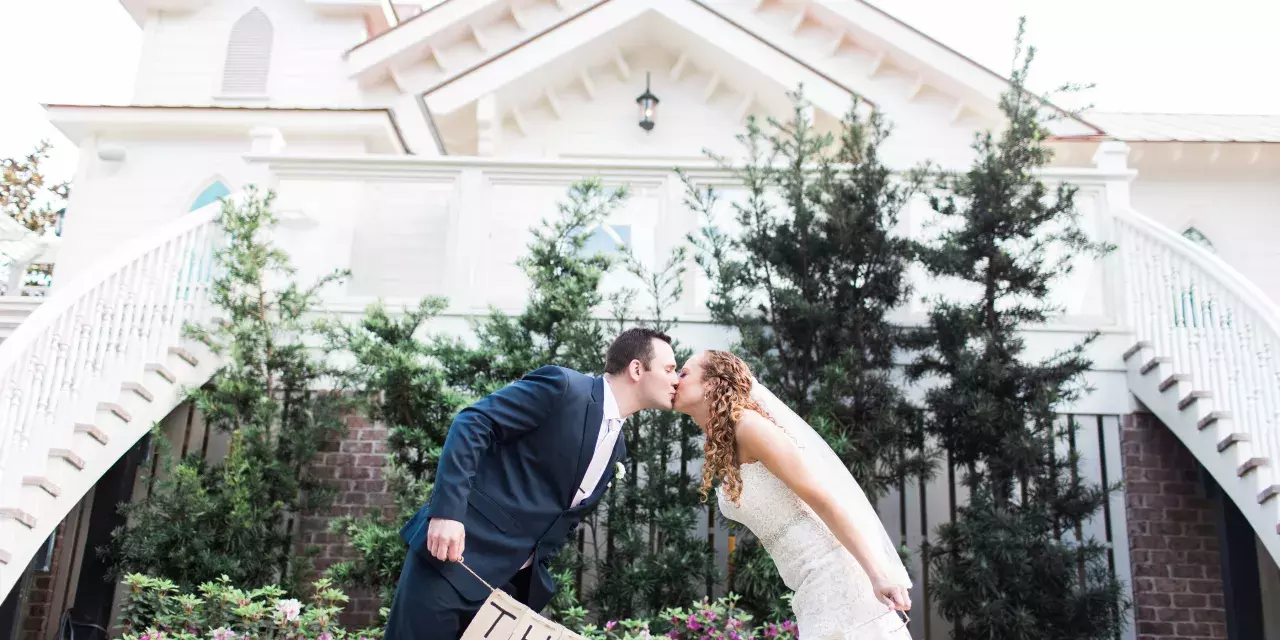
column 184, row 55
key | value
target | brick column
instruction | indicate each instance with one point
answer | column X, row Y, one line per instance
column 355, row 464
column 1173, row 540
column 38, row 619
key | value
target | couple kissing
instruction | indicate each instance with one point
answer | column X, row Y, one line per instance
column 521, row 467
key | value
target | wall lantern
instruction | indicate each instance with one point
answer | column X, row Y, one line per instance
column 648, row 106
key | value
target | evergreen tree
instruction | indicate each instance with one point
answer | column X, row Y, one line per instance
column 653, row 559
column 236, row 517
column 1013, row 564
column 400, row 382
column 808, row 282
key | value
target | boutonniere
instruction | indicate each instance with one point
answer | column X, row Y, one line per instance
column 619, row 471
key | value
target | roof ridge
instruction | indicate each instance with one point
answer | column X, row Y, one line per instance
column 1183, row 114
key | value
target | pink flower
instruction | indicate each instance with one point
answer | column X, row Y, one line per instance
column 223, row 633
column 290, row 609
column 608, row 626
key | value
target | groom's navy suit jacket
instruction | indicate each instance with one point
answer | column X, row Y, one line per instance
column 509, row 470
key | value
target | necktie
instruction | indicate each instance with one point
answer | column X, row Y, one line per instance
column 599, row 460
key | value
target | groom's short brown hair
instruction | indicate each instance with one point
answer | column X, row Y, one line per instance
column 632, row 344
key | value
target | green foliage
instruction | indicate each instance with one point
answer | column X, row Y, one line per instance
column 399, row 381
column 808, row 278
column 26, row 193
column 653, row 558
column 722, row 619
column 206, row 519
column 156, row 609
column 1009, row 566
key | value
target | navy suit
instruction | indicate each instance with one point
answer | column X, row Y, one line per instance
column 509, row 470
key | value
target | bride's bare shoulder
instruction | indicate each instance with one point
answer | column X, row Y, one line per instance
column 754, row 433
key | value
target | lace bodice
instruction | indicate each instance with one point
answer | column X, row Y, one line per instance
column 834, row 599
column 791, row 532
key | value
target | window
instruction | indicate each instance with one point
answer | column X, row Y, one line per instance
column 608, row 238
column 1195, row 235
column 43, row 562
column 248, row 56
column 210, row 195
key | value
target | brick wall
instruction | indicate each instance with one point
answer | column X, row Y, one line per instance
column 37, row 617
column 1173, row 540
column 354, row 464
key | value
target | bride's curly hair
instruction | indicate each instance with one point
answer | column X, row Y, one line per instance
column 727, row 382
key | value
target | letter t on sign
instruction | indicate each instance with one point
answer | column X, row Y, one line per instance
column 503, row 614
column 497, row 619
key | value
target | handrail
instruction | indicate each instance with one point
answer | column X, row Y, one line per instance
column 1207, row 260
column 63, row 298
column 78, row 348
column 1209, row 322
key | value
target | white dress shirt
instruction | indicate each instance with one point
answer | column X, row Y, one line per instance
column 610, row 428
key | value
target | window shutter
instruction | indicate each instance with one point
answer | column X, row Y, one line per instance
column 248, row 55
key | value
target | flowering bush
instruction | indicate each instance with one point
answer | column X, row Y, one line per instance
column 719, row 620
column 154, row 610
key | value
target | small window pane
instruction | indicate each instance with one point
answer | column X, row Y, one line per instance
column 608, row 239
column 215, row 192
column 1195, row 235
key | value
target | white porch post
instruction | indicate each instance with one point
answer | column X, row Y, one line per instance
column 467, row 211
column 1112, row 158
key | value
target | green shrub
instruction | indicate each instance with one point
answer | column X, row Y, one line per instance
column 155, row 609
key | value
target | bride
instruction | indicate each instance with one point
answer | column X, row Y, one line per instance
column 781, row 480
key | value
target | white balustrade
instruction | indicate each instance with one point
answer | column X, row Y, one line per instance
column 1214, row 324
column 98, row 332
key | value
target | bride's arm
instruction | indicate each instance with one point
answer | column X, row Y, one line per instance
column 759, row 439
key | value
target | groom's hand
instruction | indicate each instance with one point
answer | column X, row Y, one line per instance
column 445, row 539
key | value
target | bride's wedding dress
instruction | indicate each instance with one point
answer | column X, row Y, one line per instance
column 833, row 595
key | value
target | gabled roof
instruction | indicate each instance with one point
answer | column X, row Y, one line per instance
column 596, row 24
column 1188, row 127
column 856, row 21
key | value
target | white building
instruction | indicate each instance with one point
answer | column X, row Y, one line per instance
column 416, row 145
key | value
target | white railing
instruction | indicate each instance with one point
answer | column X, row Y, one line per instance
column 1209, row 320
column 91, row 336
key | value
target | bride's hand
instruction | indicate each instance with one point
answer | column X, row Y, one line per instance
column 892, row 595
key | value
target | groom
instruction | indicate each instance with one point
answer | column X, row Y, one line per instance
column 518, row 471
